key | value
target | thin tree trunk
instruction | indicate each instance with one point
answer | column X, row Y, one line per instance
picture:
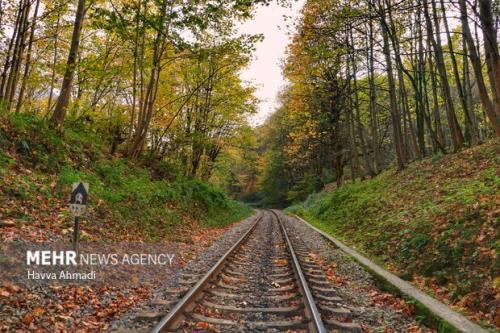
column 395, row 114
column 27, row 65
column 468, row 90
column 474, row 139
column 457, row 138
column 17, row 57
column 134, row 79
column 146, row 109
column 419, row 70
column 1, row 15
column 10, row 52
column 491, row 50
column 373, row 103
column 353, row 147
column 488, row 107
column 63, row 99
column 435, row 109
column 409, row 135
column 359, row 126
column 54, row 64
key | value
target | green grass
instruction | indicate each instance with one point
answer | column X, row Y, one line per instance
column 438, row 219
column 127, row 199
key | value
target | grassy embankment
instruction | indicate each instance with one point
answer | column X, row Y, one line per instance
column 128, row 200
column 436, row 223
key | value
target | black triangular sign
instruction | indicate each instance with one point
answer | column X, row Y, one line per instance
column 79, row 195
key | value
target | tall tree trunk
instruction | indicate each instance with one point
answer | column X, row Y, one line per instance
column 435, row 109
column 1, row 14
column 410, row 136
column 457, row 138
column 54, row 64
column 474, row 139
column 468, row 89
column 418, row 98
column 146, row 109
column 395, row 114
column 135, row 68
column 27, row 65
column 351, row 132
column 419, row 77
column 10, row 53
column 373, row 102
column 63, row 99
column 359, row 125
column 17, row 56
column 493, row 115
column 491, row 49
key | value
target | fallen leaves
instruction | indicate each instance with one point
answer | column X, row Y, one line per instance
column 202, row 325
column 337, row 280
column 280, row 262
column 379, row 298
column 7, row 223
column 28, row 318
column 65, row 308
column 7, row 289
column 38, row 311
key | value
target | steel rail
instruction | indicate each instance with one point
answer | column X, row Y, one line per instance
column 316, row 324
column 173, row 318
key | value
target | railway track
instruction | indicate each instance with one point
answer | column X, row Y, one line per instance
column 266, row 282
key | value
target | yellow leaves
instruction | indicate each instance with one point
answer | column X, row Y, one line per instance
column 280, row 262
column 496, row 283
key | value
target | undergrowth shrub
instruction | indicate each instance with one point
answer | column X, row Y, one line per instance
column 148, row 196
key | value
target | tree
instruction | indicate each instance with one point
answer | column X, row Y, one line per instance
column 491, row 50
column 63, row 99
column 493, row 115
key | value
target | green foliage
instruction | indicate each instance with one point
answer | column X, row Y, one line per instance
column 5, row 161
column 125, row 197
column 135, row 198
column 274, row 181
column 436, row 220
column 44, row 148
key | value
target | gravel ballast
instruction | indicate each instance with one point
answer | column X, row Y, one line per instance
column 144, row 316
column 375, row 310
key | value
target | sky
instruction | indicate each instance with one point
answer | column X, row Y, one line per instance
column 265, row 69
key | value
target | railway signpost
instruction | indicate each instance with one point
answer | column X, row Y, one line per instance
column 78, row 206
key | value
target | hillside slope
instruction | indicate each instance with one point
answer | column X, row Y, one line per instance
column 141, row 200
column 435, row 223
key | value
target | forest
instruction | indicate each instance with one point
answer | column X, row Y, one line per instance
column 370, row 84
column 379, row 83
column 155, row 79
column 385, row 134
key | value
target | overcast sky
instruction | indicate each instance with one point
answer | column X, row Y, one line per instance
column 265, row 69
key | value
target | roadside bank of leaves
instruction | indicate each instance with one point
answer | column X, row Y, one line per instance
column 436, row 223
column 91, row 307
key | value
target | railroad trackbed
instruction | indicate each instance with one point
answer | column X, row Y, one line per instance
column 266, row 282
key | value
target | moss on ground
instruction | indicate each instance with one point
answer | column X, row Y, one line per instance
column 128, row 200
column 435, row 223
